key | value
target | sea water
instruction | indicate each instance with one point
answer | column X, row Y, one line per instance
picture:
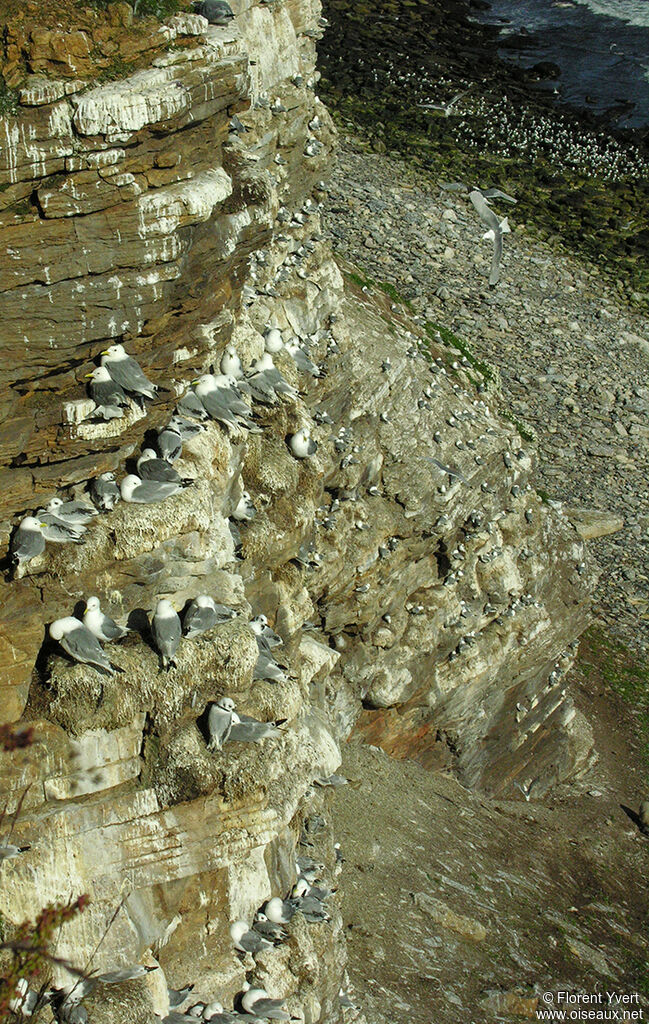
column 601, row 47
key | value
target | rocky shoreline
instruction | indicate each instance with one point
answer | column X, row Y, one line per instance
column 580, row 186
column 571, row 356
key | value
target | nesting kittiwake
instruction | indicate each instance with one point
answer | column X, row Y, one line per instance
column 166, row 631
column 177, row 996
column 222, row 402
column 230, row 363
column 273, row 339
column 217, row 12
column 245, row 509
column 219, row 722
column 247, row 940
column 302, row 360
column 257, row 1002
column 259, row 626
column 279, row 911
column 146, row 492
column 109, row 397
column 77, row 641
column 496, row 229
column 308, row 904
column 191, row 406
column 204, row 613
column 266, row 668
column 249, row 730
column 100, row 625
column 187, row 428
column 150, row 467
column 270, row 930
column 272, row 376
column 72, row 513
column 58, row 532
column 302, row 444
column 9, row 850
column 105, row 492
column 170, row 441
column 127, row 372
column 28, row 540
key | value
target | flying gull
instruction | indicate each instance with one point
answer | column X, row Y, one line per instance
column 447, row 108
column 100, row 625
column 77, row 640
column 496, row 229
column 127, row 372
column 166, row 631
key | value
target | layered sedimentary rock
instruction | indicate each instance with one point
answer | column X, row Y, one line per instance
column 422, row 589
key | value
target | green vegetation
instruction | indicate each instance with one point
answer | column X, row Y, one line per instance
column 8, row 100
column 396, row 296
column 452, row 341
column 606, row 659
column 160, row 9
column 359, row 281
column 527, row 433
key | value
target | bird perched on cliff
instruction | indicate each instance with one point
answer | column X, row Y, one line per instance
column 190, row 406
column 104, row 491
column 246, row 729
column 72, row 513
column 177, row 996
column 170, row 441
column 222, row 401
column 266, row 668
column 9, row 850
column 100, row 625
column 279, row 911
column 58, row 532
column 270, row 930
column 245, row 509
column 273, row 339
column 266, row 637
column 266, row 383
column 203, row 614
column 302, row 360
column 147, row 492
column 77, row 641
column 109, row 397
column 127, row 372
column 246, row 940
column 217, row 12
column 230, row 363
column 166, row 631
column 28, row 541
column 187, row 428
column 219, row 722
column 150, row 467
column 302, row 444
column 496, row 229
column 257, row 1002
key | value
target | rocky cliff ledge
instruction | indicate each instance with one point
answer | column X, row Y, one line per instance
column 424, row 592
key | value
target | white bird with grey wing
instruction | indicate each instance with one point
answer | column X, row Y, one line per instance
column 100, row 625
column 246, row 940
column 203, row 614
column 77, row 641
column 28, row 541
column 166, row 631
column 104, row 491
column 496, row 229
column 147, row 492
column 127, row 372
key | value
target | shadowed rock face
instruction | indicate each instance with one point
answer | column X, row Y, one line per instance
column 445, row 596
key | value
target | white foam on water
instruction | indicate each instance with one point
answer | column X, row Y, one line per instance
column 636, row 12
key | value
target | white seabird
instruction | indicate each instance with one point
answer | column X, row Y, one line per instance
column 302, row 444
column 77, row 640
column 222, row 402
column 245, row 509
column 147, row 492
column 150, row 467
column 28, row 541
column 105, row 492
column 100, row 625
column 72, row 513
column 266, row 668
column 496, row 229
column 279, row 911
column 259, row 626
column 166, row 631
column 246, row 940
column 257, row 1002
column 230, row 363
column 219, row 722
column 204, row 613
column 58, row 532
column 250, row 730
column 170, row 441
column 273, row 339
column 109, row 397
column 127, row 372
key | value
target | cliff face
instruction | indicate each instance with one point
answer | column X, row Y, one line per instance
column 441, row 596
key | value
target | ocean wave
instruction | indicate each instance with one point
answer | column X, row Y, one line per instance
column 635, row 12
